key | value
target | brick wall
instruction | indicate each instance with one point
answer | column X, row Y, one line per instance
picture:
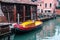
column 3, row 19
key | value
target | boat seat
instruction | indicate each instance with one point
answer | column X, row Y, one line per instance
column 30, row 25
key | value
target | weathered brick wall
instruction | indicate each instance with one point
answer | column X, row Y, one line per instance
column 3, row 19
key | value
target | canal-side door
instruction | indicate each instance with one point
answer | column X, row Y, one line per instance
column 19, row 10
column 27, row 12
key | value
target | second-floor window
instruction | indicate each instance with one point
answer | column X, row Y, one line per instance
column 45, row 5
column 50, row 4
column 40, row 5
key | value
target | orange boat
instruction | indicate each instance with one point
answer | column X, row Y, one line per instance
column 28, row 25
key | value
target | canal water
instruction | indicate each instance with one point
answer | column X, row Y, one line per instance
column 49, row 31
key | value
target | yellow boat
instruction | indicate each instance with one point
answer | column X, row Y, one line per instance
column 28, row 25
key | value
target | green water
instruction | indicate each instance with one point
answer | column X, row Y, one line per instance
column 49, row 31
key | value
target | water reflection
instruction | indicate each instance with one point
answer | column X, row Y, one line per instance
column 55, row 37
column 47, row 31
column 52, row 31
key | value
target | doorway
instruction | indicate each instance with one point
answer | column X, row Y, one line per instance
column 19, row 10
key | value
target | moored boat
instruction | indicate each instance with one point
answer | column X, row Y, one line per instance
column 28, row 25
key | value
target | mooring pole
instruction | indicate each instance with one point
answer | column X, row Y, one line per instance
column 18, row 17
column 8, row 18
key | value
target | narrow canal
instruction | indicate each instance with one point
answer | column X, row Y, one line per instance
column 49, row 31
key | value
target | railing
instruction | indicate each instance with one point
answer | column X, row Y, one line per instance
column 4, row 29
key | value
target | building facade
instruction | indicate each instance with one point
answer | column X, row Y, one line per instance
column 47, row 6
column 25, row 7
column 27, row 10
column 57, row 10
column 58, row 2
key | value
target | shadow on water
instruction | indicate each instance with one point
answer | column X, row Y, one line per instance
column 30, row 35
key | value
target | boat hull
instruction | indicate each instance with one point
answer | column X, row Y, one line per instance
column 28, row 26
column 29, row 29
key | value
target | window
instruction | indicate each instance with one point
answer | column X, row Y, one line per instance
column 58, row 0
column 45, row 11
column 38, row 10
column 45, row 5
column 49, row 11
column 40, row 5
column 41, row 11
column 50, row 4
column 33, row 0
